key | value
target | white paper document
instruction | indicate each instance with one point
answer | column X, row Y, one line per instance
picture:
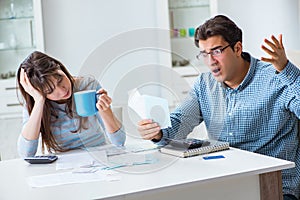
column 150, row 107
column 127, row 159
column 94, row 165
column 140, row 146
column 79, row 160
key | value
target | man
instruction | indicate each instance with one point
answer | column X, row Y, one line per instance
column 252, row 104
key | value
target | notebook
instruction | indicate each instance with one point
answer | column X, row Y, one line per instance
column 213, row 146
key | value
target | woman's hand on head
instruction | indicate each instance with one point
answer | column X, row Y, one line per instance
column 24, row 81
column 104, row 101
column 149, row 130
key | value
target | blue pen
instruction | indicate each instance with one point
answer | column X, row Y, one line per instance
column 213, row 157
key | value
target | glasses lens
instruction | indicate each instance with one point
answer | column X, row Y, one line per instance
column 216, row 52
column 201, row 55
column 204, row 54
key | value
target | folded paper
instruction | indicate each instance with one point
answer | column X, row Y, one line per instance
column 150, row 107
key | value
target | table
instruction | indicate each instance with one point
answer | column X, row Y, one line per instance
column 240, row 175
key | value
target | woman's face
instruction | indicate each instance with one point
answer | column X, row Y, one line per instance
column 62, row 90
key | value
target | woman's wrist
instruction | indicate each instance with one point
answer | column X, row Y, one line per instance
column 40, row 100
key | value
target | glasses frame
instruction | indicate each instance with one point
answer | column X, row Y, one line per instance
column 215, row 53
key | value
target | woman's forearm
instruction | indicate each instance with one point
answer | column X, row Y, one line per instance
column 31, row 129
column 111, row 123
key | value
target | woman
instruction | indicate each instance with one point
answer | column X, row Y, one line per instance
column 47, row 88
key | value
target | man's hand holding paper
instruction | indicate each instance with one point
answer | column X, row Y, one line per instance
column 153, row 110
column 150, row 107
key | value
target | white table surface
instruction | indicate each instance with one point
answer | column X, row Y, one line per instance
column 169, row 172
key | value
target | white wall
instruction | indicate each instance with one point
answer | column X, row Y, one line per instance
column 262, row 18
column 75, row 28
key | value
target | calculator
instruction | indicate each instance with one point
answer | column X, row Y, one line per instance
column 41, row 159
column 189, row 143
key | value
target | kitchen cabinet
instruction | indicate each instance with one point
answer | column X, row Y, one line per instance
column 185, row 16
column 17, row 34
column 11, row 126
column 18, row 38
column 10, row 119
column 9, row 99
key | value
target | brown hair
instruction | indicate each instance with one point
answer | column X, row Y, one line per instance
column 219, row 25
column 40, row 68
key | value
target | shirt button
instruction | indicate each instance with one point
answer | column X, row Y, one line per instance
column 231, row 134
column 230, row 114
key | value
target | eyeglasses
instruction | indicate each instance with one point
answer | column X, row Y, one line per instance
column 215, row 52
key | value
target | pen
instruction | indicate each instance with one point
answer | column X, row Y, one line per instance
column 213, row 157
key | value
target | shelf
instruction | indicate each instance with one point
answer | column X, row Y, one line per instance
column 8, row 81
column 187, row 7
column 18, row 48
column 15, row 19
column 182, row 4
column 183, row 38
column 17, row 35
